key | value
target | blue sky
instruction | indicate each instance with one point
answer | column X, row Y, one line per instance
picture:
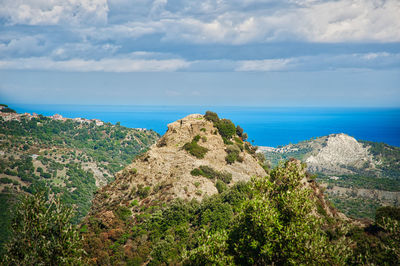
column 216, row 52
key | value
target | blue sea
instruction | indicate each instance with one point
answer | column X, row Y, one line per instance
column 265, row 126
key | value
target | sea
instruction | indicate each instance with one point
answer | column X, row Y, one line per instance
column 265, row 126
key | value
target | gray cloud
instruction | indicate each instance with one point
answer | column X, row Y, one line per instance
column 100, row 35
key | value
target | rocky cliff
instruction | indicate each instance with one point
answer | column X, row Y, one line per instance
column 165, row 171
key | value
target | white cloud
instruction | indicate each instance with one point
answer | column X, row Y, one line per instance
column 328, row 21
column 22, row 46
column 53, row 12
column 103, row 65
column 158, row 62
column 217, row 21
column 264, row 65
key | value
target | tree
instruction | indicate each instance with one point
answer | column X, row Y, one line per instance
column 278, row 225
column 239, row 131
column 42, row 234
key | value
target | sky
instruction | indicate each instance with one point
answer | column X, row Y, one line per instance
column 213, row 52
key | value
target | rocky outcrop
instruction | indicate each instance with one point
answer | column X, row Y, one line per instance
column 164, row 172
column 340, row 154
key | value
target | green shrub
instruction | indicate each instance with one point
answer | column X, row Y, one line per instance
column 387, row 212
column 210, row 173
column 225, row 177
column 43, row 234
column 221, row 186
column 249, row 148
column 196, row 172
column 196, row 138
column 226, row 128
column 6, row 180
column 142, row 191
column 233, row 154
column 195, row 149
column 123, row 213
column 239, row 131
column 211, row 116
column 231, row 158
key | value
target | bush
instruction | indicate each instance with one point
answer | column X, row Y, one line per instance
column 239, row 131
column 123, row 213
column 5, row 180
column 142, row 191
column 211, row 116
column 225, row 177
column 277, row 225
column 196, row 172
column 196, row 138
column 195, row 149
column 221, row 186
column 46, row 175
column 226, row 128
column 43, row 234
column 210, row 173
column 387, row 212
column 233, row 154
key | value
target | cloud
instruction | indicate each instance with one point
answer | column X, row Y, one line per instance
column 103, row 65
column 22, row 46
column 53, row 12
column 142, row 61
column 264, row 65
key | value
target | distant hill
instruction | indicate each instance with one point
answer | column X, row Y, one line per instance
column 359, row 176
column 70, row 157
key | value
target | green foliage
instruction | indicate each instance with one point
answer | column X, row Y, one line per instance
column 123, row 213
column 7, row 110
column 143, row 191
column 196, row 138
column 387, row 212
column 232, row 154
column 239, row 131
column 210, row 173
column 281, row 210
column 194, row 148
column 270, row 220
column 211, row 116
column 63, row 147
column 221, row 186
column 42, row 234
column 389, row 157
column 226, row 128
column 377, row 244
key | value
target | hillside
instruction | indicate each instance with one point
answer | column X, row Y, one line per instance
column 186, row 189
column 359, row 176
column 70, row 157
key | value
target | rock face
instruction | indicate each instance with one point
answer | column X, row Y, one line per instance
column 164, row 172
column 340, row 154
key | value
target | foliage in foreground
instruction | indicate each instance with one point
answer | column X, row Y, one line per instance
column 268, row 220
column 42, row 234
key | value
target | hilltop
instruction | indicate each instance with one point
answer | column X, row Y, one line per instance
column 166, row 170
column 359, row 176
column 197, row 177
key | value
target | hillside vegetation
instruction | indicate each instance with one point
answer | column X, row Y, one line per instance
column 171, row 206
column 66, row 157
column 359, row 176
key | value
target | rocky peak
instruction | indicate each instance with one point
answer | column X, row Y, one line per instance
column 165, row 171
column 340, row 153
